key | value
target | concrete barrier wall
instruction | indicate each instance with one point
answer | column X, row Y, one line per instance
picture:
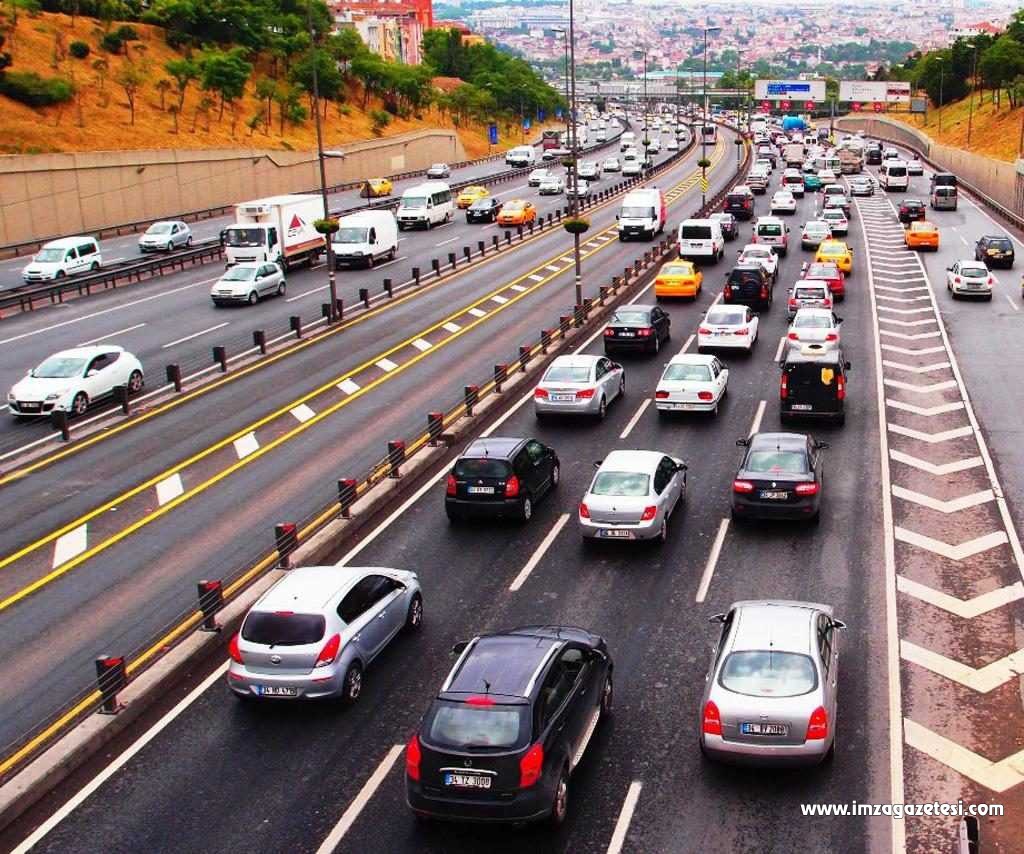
column 997, row 179
column 57, row 194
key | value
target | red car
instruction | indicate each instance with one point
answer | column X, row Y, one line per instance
column 826, row 272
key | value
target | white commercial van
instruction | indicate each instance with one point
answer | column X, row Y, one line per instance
column 894, row 175
column 64, row 257
column 701, row 238
column 425, row 206
column 643, row 214
column 521, row 155
column 627, row 141
column 365, row 238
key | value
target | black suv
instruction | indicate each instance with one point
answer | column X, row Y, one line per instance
column 748, row 284
column 500, row 477
column 995, row 250
column 509, row 725
column 740, row 205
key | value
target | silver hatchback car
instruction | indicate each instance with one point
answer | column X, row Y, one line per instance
column 579, row 385
column 771, row 692
column 315, row 631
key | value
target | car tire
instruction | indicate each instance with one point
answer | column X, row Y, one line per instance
column 526, row 509
column 79, row 404
column 560, row 801
column 135, row 382
column 188, row 243
column 58, row 275
column 662, row 537
column 602, row 409
column 414, row 616
column 352, row 687
column 252, row 298
column 556, row 476
column 170, row 245
column 281, row 288
column 657, row 344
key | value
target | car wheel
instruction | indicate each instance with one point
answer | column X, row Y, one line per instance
column 58, row 275
column 170, row 245
column 281, row 288
column 80, row 403
column 657, row 344
column 352, row 687
column 556, row 475
column 602, row 409
column 663, row 532
column 188, row 243
column 607, row 696
column 414, row 616
column 253, row 299
column 135, row 382
column 560, row 804
column 622, row 386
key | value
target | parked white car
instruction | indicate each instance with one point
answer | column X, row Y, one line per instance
column 248, row 282
column 691, row 382
column 727, row 326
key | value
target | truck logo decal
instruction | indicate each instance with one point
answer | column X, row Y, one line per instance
column 295, row 226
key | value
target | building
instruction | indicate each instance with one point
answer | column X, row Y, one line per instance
column 392, row 30
column 969, row 31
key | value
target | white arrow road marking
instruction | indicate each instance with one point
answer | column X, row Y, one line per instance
column 931, row 468
column 920, row 389
column 997, row 776
column 904, row 310
column 915, row 337
column 952, row 506
column 961, row 552
column 923, row 369
column 967, row 609
column 912, row 351
column 981, row 679
column 926, row 411
column 896, row 322
column 932, row 438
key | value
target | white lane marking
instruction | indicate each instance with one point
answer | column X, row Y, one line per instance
column 195, row 335
column 932, row 468
column 686, row 345
column 114, row 260
column 476, row 312
column 980, row 679
column 553, row 268
column 967, row 609
column 913, row 351
column 958, row 234
column 305, row 294
column 246, row 444
column 389, row 263
column 517, row 288
column 778, row 351
column 499, row 299
column 625, row 817
column 954, row 505
column 636, row 417
column 997, row 776
column 169, row 488
column 422, row 344
column 386, row 365
column 971, row 547
column 709, row 567
column 539, row 553
column 302, row 413
column 566, row 260
column 757, row 418
column 921, row 389
column 53, row 326
column 446, row 242
column 1013, row 305
column 926, row 411
column 111, row 335
column 361, row 800
column 70, row 545
column 89, row 788
column 931, row 438
column 348, row 386
column 451, row 327
column 536, row 277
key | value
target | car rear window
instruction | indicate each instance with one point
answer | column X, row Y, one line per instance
column 1001, row 243
column 769, row 230
column 567, row 374
column 283, row 628
column 736, row 198
column 809, row 293
column 776, row 460
column 974, row 272
column 477, row 726
column 696, row 232
column 811, row 321
column 481, row 467
column 631, row 317
column 625, row 483
column 693, row 373
column 726, row 317
column 767, row 673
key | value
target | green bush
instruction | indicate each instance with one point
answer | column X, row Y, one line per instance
column 112, row 43
column 79, row 50
column 127, row 33
column 29, row 88
column 380, row 120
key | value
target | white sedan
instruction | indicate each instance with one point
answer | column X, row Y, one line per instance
column 611, row 164
column 814, row 231
column 837, row 220
column 248, row 282
column 72, row 379
column 537, row 176
column 827, row 176
column 914, row 166
column 732, row 326
column 579, row 190
column 756, row 253
column 552, row 185
column 691, row 383
column 814, row 326
column 967, row 278
column 672, row 145
column 783, row 202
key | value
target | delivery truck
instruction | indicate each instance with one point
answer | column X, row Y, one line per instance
column 793, row 154
column 850, row 161
column 278, row 229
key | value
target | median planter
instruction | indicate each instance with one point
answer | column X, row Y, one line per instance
column 326, row 226
column 703, row 163
column 568, row 162
column 576, row 225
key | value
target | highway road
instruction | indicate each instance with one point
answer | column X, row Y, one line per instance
column 97, row 541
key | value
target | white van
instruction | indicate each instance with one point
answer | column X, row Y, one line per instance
column 772, row 231
column 627, row 141
column 425, row 205
column 894, row 175
column 521, row 155
column 643, row 214
column 632, row 164
column 365, row 238
column 701, row 238
column 64, row 257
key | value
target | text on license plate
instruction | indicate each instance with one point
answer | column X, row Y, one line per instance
column 615, row 533
column 562, row 398
column 277, row 691
column 481, row 490
column 470, row 781
column 803, row 407
column 764, row 729
column 774, row 494
column 624, row 334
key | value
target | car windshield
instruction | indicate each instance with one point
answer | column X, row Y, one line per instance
column 767, row 673
column 513, row 206
column 622, row 483
column 631, row 318
column 159, row 228
column 480, row 467
column 726, row 317
column 244, row 237
column 239, row 274
column 283, row 628
column 694, row 373
column 59, row 367
column 636, row 212
column 812, row 321
column 438, row 167
column 776, row 460
column 414, row 202
column 46, row 255
column 567, row 374
column 478, row 725
column 351, row 235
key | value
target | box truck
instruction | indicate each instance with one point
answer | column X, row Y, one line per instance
column 278, row 229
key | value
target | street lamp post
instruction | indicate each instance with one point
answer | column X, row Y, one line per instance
column 739, row 105
column 703, row 138
column 574, row 151
column 970, row 102
column 647, row 120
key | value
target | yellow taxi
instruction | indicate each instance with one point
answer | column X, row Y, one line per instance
column 517, row 212
column 376, row 187
column 835, row 252
column 922, row 235
column 470, row 195
column 678, row 279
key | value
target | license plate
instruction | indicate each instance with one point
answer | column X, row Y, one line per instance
column 562, row 398
column 764, row 729
column 481, row 490
column 623, row 334
column 276, row 691
column 30, row 407
column 615, row 534
column 774, row 494
column 803, row 407
column 467, row 781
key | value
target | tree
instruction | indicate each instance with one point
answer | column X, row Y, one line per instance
column 163, row 86
column 131, row 77
column 1001, row 63
column 264, row 90
column 174, row 109
column 370, row 71
column 329, row 79
column 183, row 71
column 225, row 73
column 101, row 67
column 935, row 67
column 345, row 46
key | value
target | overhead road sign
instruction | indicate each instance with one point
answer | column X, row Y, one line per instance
column 790, row 90
column 874, row 91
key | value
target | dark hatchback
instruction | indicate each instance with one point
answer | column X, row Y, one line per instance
column 873, row 155
column 912, row 210
column 509, row 725
column 484, row 210
column 740, row 205
column 637, row 328
column 500, row 478
column 995, row 250
column 813, row 384
column 748, row 284
column 780, row 477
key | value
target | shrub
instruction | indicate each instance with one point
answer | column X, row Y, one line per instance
column 29, row 88
column 127, row 33
column 326, row 226
column 112, row 43
column 79, row 50
column 703, row 163
column 380, row 121
column 576, row 225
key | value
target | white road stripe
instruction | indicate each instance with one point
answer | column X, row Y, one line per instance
column 757, row 418
column 535, row 277
column 476, row 312
column 518, row 288
column 686, row 345
column 169, row 488
column 553, row 268
column 500, row 300
column 778, row 351
column 111, row 335
column 389, row 263
column 246, row 445
column 195, row 335
column 636, row 417
column 386, row 365
column 538, row 554
column 422, row 344
column 709, row 567
column 305, row 294
column 302, row 413
column 446, row 242
column 1013, row 305
column 70, row 545
column 625, row 817
column 451, row 327
column 348, row 386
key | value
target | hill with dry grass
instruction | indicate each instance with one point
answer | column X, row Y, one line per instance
column 995, row 129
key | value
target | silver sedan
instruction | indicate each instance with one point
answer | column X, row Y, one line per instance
column 579, row 385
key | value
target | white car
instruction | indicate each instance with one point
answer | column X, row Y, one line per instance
column 589, row 170
column 579, row 385
column 732, row 326
column 439, row 170
column 808, row 293
column 970, row 278
column 836, row 219
column 783, row 202
column 814, row 231
column 862, row 185
column 248, row 282
column 553, row 185
column 764, row 164
column 814, row 326
column 167, row 235
column 70, row 380
column 691, row 383
column 579, row 190
column 611, row 164
column 890, row 154
column 914, row 166
column 760, row 253
column 672, row 145
column 827, row 176
column 538, row 176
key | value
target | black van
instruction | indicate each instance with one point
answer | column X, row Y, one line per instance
column 813, row 384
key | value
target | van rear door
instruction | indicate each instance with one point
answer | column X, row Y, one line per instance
column 812, row 387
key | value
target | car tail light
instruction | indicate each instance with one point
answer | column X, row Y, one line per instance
column 661, row 395
column 742, row 486
column 712, row 724
column 817, row 726
column 792, row 300
column 451, row 486
column 827, row 303
column 649, row 513
column 234, row 651
column 746, row 203
column 743, row 331
column 831, row 337
column 531, row 766
column 753, row 239
column 480, row 700
column 840, row 389
column 793, row 336
column 413, row 755
column 609, row 332
column 585, row 394
column 703, row 395
column 645, row 332
column 806, row 489
column 584, row 511
column 726, row 295
column 329, row 652
column 784, row 387
column 764, row 292
column 512, row 486
column 540, row 393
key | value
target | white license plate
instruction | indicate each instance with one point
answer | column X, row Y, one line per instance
column 764, row 729
column 276, row 691
column 30, row 407
column 803, row 407
column 615, row 534
column 481, row 490
column 562, row 398
column 774, row 494
column 623, row 334
column 467, row 781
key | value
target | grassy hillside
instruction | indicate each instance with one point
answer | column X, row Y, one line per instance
column 98, row 117
column 995, row 130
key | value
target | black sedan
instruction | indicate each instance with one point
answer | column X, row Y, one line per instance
column 484, row 210
column 637, row 327
column 995, row 250
column 780, row 477
column 912, row 210
column 730, row 226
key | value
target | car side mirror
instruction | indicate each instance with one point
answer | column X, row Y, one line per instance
column 838, row 624
column 460, row 647
column 820, row 446
column 682, row 467
column 743, row 443
column 91, row 372
column 846, row 366
column 717, row 618
column 597, row 463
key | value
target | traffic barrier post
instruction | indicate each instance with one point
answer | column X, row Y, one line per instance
column 452, row 259
column 545, row 340
column 470, row 395
column 295, row 324
column 564, row 320
column 122, row 398
column 389, row 288
column 435, row 427
column 524, row 356
column 173, row 372
column 59, row 420
column 220, row 356
column 436, row 265
column 286, row 540
column 364, row 297
column 416, row 275
column 111, row 677
column 500, row 375
column 211, row 600
column 347, row 495
column 259, row 339
column 396, row 456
